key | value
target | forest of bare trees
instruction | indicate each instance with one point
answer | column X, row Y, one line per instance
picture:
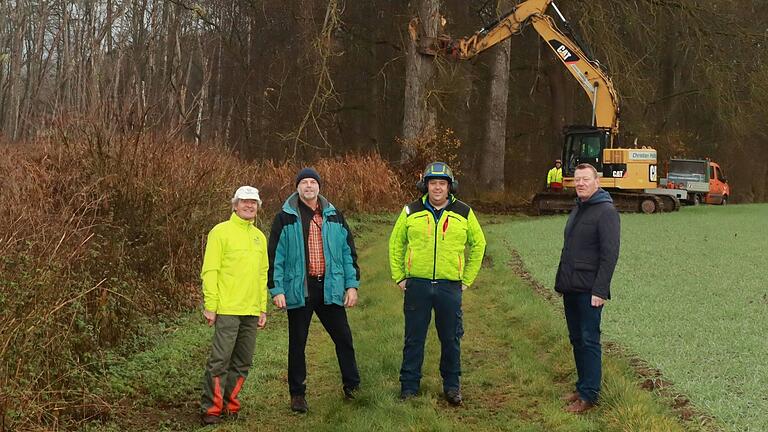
column 124, row 123
column 309, row 78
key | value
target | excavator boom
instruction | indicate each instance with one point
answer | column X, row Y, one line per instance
column 629, row 174
column 588, row 73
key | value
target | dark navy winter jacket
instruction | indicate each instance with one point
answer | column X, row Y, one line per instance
column 591, row 247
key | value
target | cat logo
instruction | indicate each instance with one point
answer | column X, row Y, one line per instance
column 564, row 54
column 618, row 173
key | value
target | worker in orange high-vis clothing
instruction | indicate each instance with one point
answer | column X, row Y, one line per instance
column 235, row 289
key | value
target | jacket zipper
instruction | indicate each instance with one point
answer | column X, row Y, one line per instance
column 434, row 258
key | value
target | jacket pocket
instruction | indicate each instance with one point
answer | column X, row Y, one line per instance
column 584, row 266
column 583, row 276
column 291, row 293
column 337, row 285
column 410, row 262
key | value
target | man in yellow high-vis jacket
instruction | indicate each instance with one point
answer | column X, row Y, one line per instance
column 235, row 289
column 555, row 177
column 427, row 260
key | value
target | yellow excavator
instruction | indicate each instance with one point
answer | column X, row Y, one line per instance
column 629, row 174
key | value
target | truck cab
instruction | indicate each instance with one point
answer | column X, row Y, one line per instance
column 719, row 191
column 703, row 179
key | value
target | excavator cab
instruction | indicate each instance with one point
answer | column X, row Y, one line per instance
column 584, row 144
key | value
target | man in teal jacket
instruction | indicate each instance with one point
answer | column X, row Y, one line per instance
column 426, row 257
column 235, row 289
column 313, row 269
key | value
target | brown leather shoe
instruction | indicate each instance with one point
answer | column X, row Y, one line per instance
column 579, row 407
column 206, row 419
column 570, row 397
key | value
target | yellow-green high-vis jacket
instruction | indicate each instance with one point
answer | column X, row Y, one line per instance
column 555, row 175
column 235, row 269
column 422, row 248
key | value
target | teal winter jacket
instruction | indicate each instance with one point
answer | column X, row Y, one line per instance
column 287, row 263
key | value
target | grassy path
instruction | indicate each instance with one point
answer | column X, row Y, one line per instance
column 516, row 363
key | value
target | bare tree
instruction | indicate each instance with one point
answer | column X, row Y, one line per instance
column 419, row 113
column 491, row 173
column 270, row 78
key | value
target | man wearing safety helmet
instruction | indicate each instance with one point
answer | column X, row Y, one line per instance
column 427, row 260
column 555, row 177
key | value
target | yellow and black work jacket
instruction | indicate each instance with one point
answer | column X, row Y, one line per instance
column 424, row 248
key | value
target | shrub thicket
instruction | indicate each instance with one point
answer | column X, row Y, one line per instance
column 432, row 145
column 99, row 233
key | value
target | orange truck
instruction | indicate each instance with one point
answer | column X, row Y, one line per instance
column 702, row 179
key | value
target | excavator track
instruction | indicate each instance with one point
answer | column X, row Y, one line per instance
column 555, row 202
column 637, row 202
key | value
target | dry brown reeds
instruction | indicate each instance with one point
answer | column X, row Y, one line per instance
column 99, row 233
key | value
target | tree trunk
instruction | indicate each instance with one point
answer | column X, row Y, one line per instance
column 419, row 115
column 491, row 173
column 559, row 101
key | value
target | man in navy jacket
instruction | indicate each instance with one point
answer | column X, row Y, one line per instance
column 590, row 252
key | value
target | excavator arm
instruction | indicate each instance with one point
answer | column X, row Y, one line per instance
column 588, row 73
column 629, row 173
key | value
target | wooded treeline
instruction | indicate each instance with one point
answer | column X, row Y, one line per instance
column 309, row 78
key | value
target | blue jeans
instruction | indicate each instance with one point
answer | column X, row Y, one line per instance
column 421, row 296
column 584, row 332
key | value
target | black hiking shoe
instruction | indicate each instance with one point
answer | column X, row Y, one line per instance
column 453, row 397
column 349, row 392
column 299, row 404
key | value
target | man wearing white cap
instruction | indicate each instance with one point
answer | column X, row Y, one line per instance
column 235, row 289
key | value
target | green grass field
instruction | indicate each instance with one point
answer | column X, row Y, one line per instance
column 689, row 298
column 516, row 361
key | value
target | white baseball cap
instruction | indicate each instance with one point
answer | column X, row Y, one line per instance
column 247, row 192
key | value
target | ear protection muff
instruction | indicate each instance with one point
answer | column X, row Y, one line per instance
column 421, row 186
column 437, row 170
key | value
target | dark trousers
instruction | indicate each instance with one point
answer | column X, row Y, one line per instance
column 421, row 296
column 234, row 338
column 334, row 319
column 584, row 332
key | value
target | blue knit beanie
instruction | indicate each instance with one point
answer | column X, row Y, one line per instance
column 307, row 173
